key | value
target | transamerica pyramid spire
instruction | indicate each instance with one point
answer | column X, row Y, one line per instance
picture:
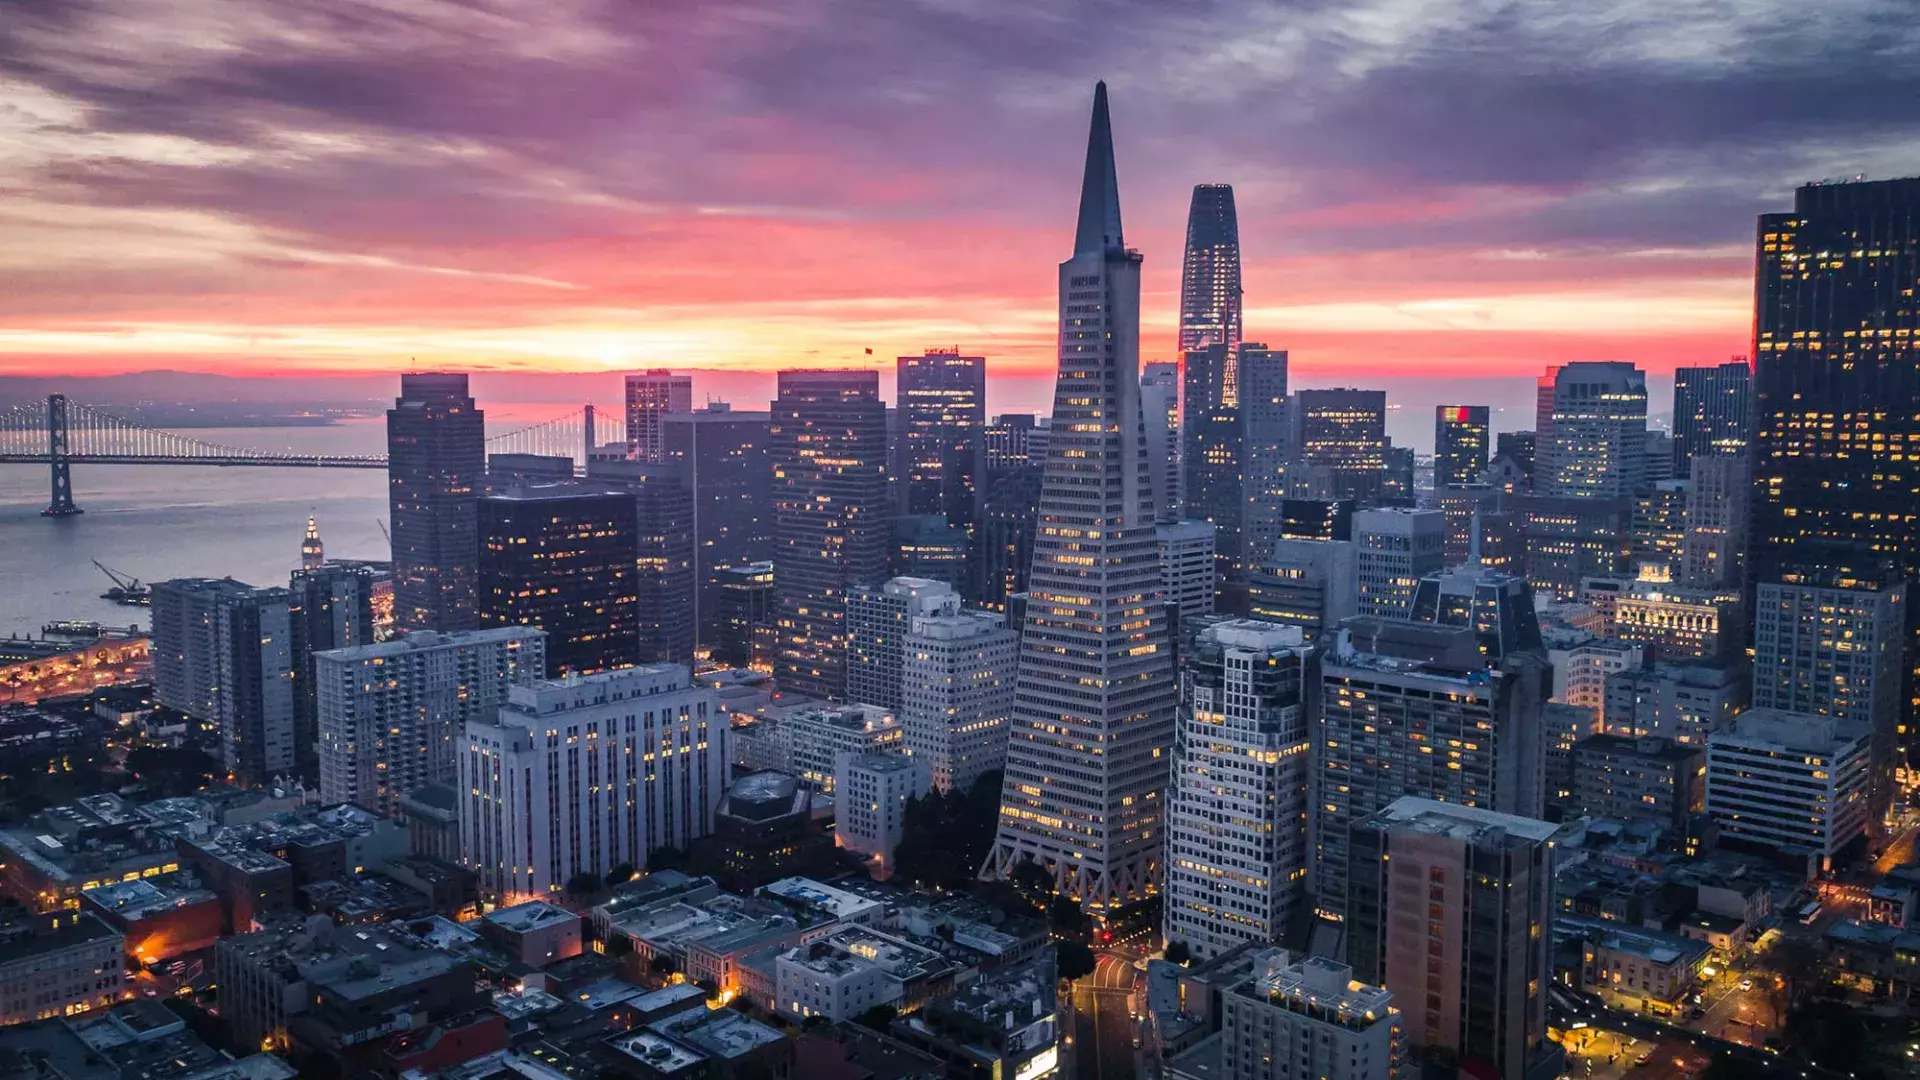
column 1089, row 746
column 1100, row 187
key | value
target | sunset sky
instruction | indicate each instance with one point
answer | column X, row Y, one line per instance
column 1425, row 186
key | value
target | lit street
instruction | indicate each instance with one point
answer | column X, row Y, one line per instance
column 1103, row 1027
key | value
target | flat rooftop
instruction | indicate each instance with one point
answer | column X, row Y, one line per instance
column 532, row 915
column 1462, row 822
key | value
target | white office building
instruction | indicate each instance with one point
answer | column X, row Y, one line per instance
column 391, row 714
column 1394, row 548
column 1581, row 667
column 871, row 792
column 819, row 736
column 1187, row 568
column 1237, row 800
column 1160, row 406
column 957, row 683
column 1790, row 781
column 586, row 773
column 878, row 618
column 1307, row 1019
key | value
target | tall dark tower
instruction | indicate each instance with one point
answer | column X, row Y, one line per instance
column 1712, row 412
column 828, row 443
column 1460, row 437
column 941, row 456
column 1837, row 392
column 436, row 458
column 1086, row 774
column 1210, row 276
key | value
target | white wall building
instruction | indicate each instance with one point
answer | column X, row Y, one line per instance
column 1307, row 1020
column 878, row 618
column 1394, row 548
column 391, row 714
column 1237, row 801
column 1581, row 669
column 586, row 773
column 957, row 694
column 1790, row 781
column 870, row 802
column 1187, row 566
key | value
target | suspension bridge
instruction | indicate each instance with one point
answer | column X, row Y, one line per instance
column 61, row 434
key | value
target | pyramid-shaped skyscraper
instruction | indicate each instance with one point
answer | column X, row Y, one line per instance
column 1088, row 753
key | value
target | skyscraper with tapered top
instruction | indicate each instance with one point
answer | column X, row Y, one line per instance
column 1086, row 771
column 1210, row 276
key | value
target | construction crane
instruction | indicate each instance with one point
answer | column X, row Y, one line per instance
column 126, row 590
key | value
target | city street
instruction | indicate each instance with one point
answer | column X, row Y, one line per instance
column 1103, row 1026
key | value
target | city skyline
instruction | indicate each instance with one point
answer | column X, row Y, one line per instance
column 608, row 221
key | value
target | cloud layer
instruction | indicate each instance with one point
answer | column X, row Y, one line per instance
column 261, row 184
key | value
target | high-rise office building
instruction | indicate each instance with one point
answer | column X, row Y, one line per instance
column 829, row 451
column 1791, row 781
column 1657, row 529
column 1344, row 433
column 925, row 546
column 1394, row 548
column 744, row 615
column 878, row 617
column 721, row 454
column 1160, row 404
column 1460, row 437
column 1518, row 447
column 1412, row 708
column 1713, row 549
column 641, row 766
column 651, row 397
column 223, row 654
column 1004, row 555
column 1264, row 447
column 1187, row 566
column 1450, row 909
column 940, row 461
column 1828, row 644
column 1569, row 540
column 1657, row 458
column 391, row 715
column 1836, row 367
column 1094, row 706
column 1683, row 702
column 1237, row 799
column 1316, row 519
column 1311, row 584
column 1210, row 294
column 1006, row 440
column 1543, row 396
column 1212, row 449
column 663, row 583
column 1712, row 412
column 1599, row 438
column 1396, row 476
column 564, row 558
column 1306, row 1019
column 436, row 459
column 957, row 686
column 331, row 608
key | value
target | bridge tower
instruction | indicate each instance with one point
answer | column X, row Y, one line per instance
column 587, row 424
column 61, row 505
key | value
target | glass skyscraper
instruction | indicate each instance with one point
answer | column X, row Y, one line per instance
column 1712, row 412
column 1210, row 276
column 1836, row 483
column 941, row 460
column 1461, row 434
column 436, row 459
